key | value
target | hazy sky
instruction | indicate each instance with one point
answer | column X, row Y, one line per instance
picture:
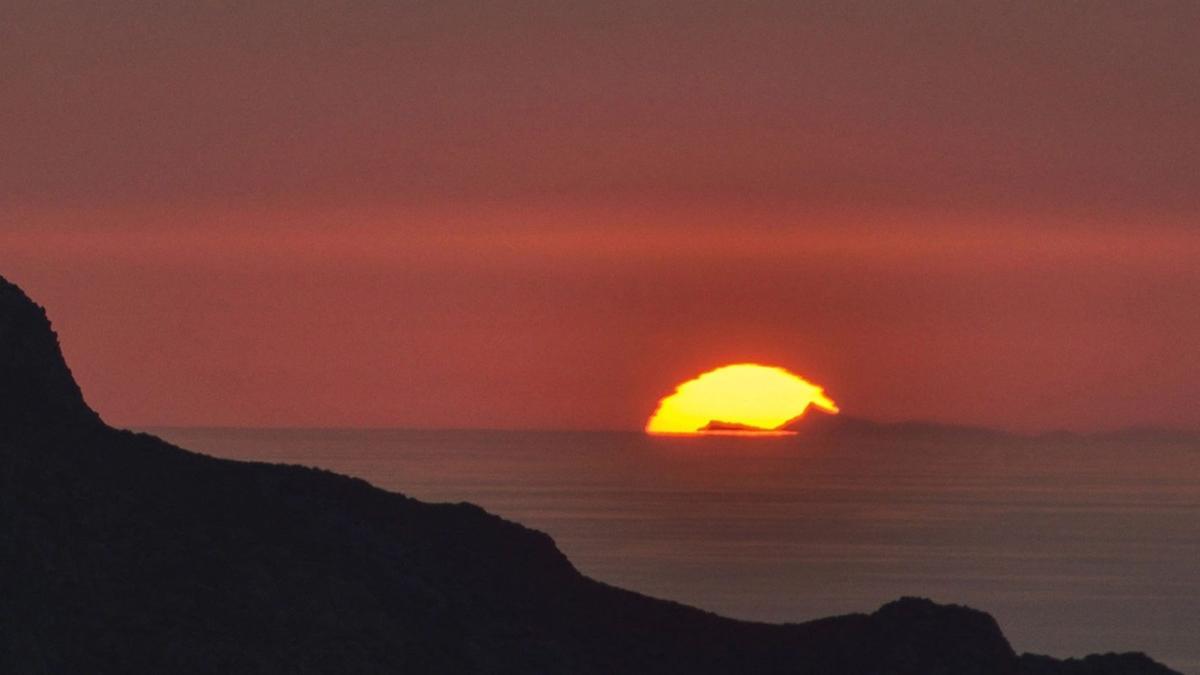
column 547, row 214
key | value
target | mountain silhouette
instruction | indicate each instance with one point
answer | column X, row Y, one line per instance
column 819, row 424
column 719, row 425
column 124, row 554
column 36, row 387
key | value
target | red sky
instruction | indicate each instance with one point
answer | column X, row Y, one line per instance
column 434, row 214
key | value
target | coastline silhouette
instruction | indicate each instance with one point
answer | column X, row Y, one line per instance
column 123, row 553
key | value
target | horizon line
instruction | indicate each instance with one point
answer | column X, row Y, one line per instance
column 1144, row 428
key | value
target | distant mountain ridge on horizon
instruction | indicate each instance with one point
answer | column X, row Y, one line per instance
column 122, row 553
column 842, row 423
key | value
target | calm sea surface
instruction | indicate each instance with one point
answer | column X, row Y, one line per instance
column 1073, row 547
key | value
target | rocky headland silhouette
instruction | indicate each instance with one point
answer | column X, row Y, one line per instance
column 121, row 553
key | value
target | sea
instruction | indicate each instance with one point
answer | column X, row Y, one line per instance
column 1074, row 545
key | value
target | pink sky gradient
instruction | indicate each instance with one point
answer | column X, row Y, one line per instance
column 390, row 215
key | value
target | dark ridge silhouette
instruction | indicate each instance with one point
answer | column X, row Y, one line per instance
column 1150, row 435
column 914, row 430
column 818, row 424
column 1128, row 436
column 36, row 387
column 1108, row 664
column 718, row 425
column 123, row 554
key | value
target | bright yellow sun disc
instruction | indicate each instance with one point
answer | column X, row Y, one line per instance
column 746, row 394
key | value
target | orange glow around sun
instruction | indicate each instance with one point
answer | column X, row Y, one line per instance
column 740, row 395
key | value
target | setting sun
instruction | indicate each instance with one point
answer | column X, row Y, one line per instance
column 743, row 395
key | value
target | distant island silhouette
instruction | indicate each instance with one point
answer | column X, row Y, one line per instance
column 819, row 424
column 124, row 554
column 719, row 427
